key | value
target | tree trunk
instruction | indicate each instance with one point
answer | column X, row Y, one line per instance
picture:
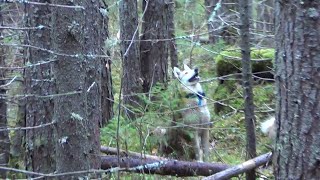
column 297, row 154
column 245, row 14
column 15, row 106
column 39, row 83
column 106, row 79
column 4, row 136
column 213, row 22
column 154, row 44
column 106, row 85
column 173, row 53
column 76, row 37
column 130, row 52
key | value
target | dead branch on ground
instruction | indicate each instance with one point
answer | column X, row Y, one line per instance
column 158, row 165
column 241, row 168
column 163, row 167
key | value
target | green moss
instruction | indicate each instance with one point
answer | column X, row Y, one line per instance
column 229, row 61
column 230, row 93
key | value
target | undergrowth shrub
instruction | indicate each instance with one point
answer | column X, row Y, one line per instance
column 140, row 134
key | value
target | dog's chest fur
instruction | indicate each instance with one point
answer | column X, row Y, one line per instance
column 195, row 109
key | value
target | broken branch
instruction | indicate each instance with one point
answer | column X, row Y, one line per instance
column 241, row 168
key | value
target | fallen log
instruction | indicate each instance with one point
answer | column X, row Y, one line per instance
column 163, row 167
column 241, row 168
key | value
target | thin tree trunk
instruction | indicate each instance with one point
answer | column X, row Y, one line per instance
column 213, row 22
column 297, row 154
column 129, row 34
column 245, row 14
column 106, row 78
column 106, row 87
column 154, row 44
column 78, row 81
column 4, row 136
column 173, row 53
column 11, row 16
column 39, row 83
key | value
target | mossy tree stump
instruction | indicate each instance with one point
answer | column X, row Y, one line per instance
column 228, row 69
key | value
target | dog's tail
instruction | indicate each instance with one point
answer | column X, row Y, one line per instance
column 268, row 127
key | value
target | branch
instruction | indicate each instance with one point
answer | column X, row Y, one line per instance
column 113, row 151
column 43, row 4
column 241, row 168
column 164, row 167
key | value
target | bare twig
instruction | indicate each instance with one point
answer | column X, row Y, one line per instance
column 22, row 28
column 113, row 151
column 43, row 4
column 27, row 128
column 136, row 31
column 2, row 86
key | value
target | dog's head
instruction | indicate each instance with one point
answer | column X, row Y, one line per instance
column 188, row 76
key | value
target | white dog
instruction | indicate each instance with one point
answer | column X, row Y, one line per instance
column 268, row 127
column 195, row 114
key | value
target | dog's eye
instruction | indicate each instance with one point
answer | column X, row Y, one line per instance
column 186, row 73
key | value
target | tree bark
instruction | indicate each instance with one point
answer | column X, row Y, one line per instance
column 106, row 78
column 129, row 34
column 76, row 37
column 4, row 136
column 10, row 18
column 173, row 53
column 245, row 14
column 154, row 44
column 106, row 88
column 39, row 83
column 297, row 154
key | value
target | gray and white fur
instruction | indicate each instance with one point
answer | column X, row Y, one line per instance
column 195, row 114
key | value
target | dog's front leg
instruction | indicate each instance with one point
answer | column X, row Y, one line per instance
column 205, row 143
column 197, row 147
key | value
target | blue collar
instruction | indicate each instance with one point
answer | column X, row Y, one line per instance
column 200, row 96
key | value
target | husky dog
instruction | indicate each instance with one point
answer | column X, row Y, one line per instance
column 268, row 127
column 195, row 115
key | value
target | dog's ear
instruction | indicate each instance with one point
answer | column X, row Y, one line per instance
column 186, row 67
column 176, row 72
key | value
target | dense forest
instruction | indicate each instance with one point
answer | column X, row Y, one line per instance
column 159, row 89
